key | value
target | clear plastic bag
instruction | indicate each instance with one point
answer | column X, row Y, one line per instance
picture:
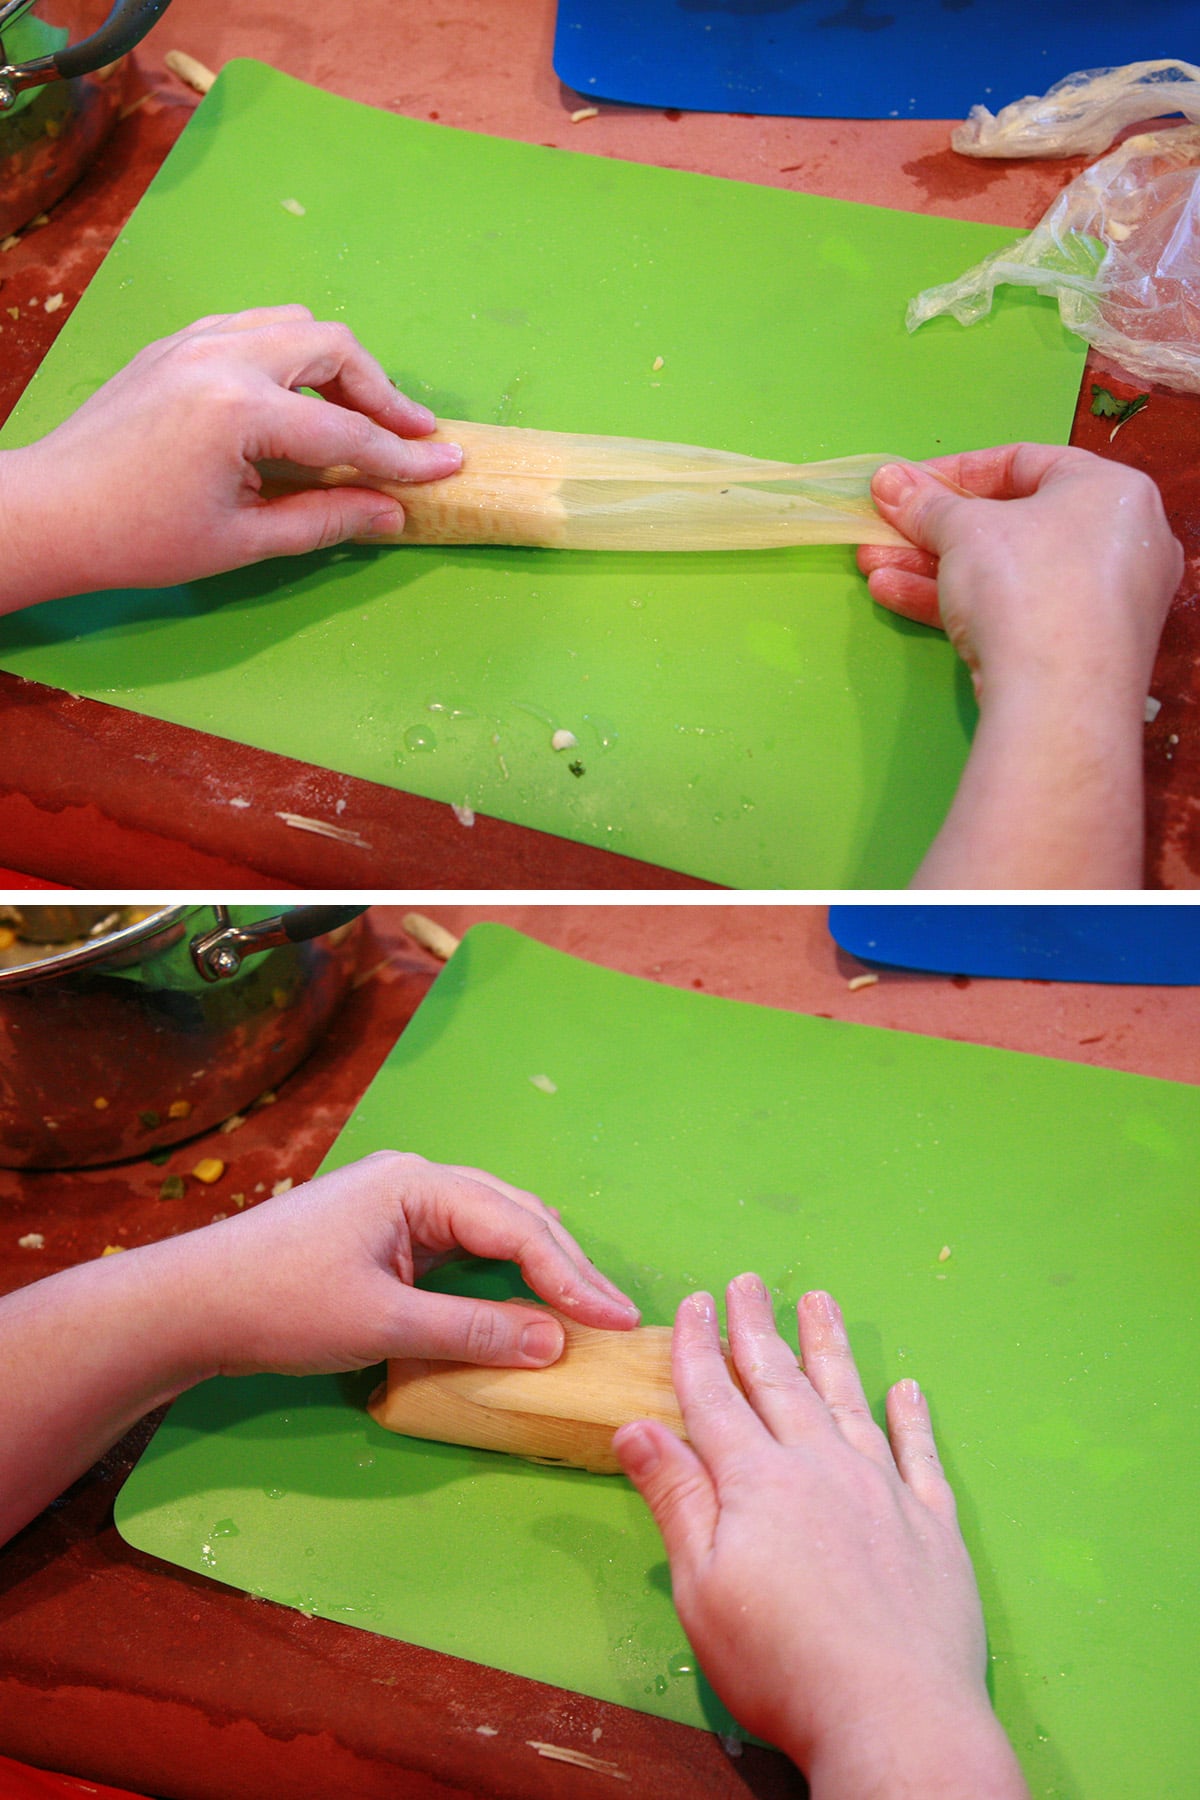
column 1081, row 115
column 1120, row 252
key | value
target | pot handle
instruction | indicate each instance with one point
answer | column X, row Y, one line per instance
column 219, row 953
column 125, row 26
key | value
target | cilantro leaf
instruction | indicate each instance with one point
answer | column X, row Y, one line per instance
column 1104, row 404
column 1107, row 406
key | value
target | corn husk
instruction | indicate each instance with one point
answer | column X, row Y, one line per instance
column 566, row 1413
column 562, row 491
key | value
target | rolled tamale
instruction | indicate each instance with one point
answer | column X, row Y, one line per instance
column 565, row 1413
column 564, row 491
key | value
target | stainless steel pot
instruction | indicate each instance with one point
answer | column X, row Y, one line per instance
column 154, row 1032
column 62, row 83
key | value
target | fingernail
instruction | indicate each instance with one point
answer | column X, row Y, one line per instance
column 608, row 1290
column 638, row 1450
column 910, row 1390
column 423, row 417
column 542, row 1342
column 449, row 455
column 385, row 524
column 823, row 1305
column 750, row 1283
column 704, row 1306
column 893, row 483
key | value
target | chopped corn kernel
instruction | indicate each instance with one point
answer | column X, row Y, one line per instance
column 209, row 1169
column 100, row 1103
column 179, row 1109
column 8, row 937
column 112, row 1249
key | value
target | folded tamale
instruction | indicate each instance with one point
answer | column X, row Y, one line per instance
column 565, row 1413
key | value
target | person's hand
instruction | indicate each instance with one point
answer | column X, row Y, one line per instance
column 317, row 1280
column 818, row 1568
column 1061, row 569
column 320, row 1279
column 1052, row 576
column 154, row 481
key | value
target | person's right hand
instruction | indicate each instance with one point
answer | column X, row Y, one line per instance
column 1055, row 566
column 817, row 1567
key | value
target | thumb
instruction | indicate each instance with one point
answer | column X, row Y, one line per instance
column 920, row 506
column 503, row 1334
column 315, row 519
column 675, row 1486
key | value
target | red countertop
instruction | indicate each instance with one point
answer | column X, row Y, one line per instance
column 93, row 797
column 121, row 1669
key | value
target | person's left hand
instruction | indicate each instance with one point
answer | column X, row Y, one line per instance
column 320, row 1279
column 154, row 480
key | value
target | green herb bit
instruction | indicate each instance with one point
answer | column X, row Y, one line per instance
column 173, row 1188
column 1106, row 405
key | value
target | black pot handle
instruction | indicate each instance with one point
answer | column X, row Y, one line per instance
column 125, row 26
column 304, row 922
column 218, row 954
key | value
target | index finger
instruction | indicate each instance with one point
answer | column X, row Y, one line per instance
column 721, row 1423
column 531, row 1202
column 298, row 429
column 327, row 357
column 485, row 1222
column 1007, row 471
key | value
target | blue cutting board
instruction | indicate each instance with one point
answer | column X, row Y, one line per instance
column 852, row 59
column 1159, row 945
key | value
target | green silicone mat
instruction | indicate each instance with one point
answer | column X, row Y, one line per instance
column 691, row 1137
column 749, row 718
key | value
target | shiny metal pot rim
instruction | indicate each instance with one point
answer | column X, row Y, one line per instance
column 102, row 949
